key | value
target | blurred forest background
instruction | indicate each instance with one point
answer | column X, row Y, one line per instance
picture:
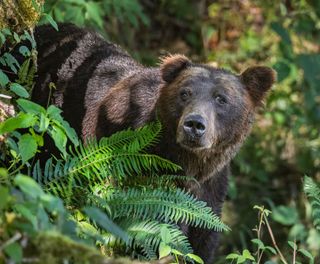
column 235, row 34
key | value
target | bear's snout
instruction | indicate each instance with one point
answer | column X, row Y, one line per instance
column 194, row 126
column 192, row 132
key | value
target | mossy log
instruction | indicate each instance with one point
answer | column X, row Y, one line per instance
column 19, row 15
column 53, row 248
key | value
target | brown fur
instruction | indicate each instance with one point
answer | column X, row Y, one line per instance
column 206, row 112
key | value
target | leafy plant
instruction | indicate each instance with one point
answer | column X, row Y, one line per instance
column 274, row 250
column 23, row 69
column 96, row 174
column 312, row 190
column 94, row 12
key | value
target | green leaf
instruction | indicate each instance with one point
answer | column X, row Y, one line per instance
column 70, row 132
column 19, row 90
column 282, row 32
column 285, row 215
column 54, row 113
column 4, row 80
column 30, row 107
column 94, row 12
column 76, row 2
column 28, row 186
column 44, row 123
column 2, row 38
column 4, row 197
column 28, row 214
column 310, row 64
column 105, row 222
column 176, row 252
column 195, row 258
column 6, row 31
column 27, row 147
column 165, row 235
column 307, row 254
column 11, row 62
column 23, row 71
column 59, row 138
column 258, row 242
column 27, row 36
column 24, row 51
column 232, row 256
column 283, row 70
column 292, row 245
column 271, row 249
column 14, row 251
column 246, row 253
column 52, row 204
column 164, row 250
column 86, row 228
column 16, row 37
column 78, row 15
column 241, row 259
column 49, row 19
column 22, row 120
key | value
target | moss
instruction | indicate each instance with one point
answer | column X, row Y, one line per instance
column 19, row 14
column 55, row 248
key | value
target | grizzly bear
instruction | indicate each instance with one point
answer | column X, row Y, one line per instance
column 206, row 112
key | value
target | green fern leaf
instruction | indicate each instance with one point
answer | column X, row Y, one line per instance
column 145, row 237
column 166, row 205
column 95, row 163
column 312, row 190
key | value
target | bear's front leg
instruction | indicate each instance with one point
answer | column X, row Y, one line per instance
column 213, row 191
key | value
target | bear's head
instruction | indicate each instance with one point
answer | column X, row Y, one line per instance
column 207, row 108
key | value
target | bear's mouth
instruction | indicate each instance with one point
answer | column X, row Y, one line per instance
column 192, row 141
column 192, row 144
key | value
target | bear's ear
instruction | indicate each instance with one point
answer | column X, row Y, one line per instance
column 258, row 80
column 172, row 65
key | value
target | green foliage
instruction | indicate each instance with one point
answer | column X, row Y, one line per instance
column 84, row 175
column 284, row 144
column 80, row 179
column 38, row 121
column 113, row 158
column 312, row 190
column 94, row 12
column 150, row 210
column 169, row 206
column 298, row 253
column 241, row 258
column 147, row 237
column 106, row 216
column 10, row 65
column 25, row 211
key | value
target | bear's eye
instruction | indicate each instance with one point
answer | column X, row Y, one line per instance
column 185, row 94
column 220, row 99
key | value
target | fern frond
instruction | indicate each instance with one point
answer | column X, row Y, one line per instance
column 145, row 237
column 130, row 141
column 172, row 205
column 121, row 164
column 96, row 162
column 312, row 190
column 155, row 180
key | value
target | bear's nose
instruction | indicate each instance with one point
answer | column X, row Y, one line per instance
column 194, row 125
